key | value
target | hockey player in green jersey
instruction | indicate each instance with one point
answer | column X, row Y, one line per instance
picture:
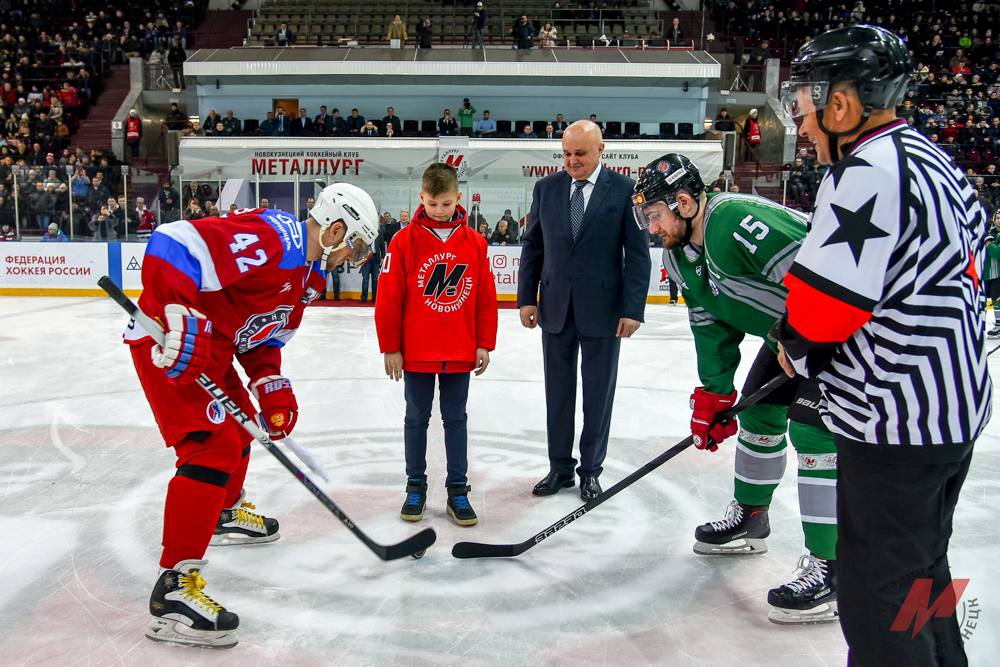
column 991, row 276
column 729, row 253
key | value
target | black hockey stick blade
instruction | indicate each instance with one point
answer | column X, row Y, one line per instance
column 479, row 550
column 407, row 547
column 993, row 350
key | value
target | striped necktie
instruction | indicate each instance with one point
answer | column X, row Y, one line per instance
column 576, row 209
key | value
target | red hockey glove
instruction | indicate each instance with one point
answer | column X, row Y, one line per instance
column 705, row 406
column 277, row 404
column 185, row 352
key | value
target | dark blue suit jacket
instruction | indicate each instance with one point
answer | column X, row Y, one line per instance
column 605, row 272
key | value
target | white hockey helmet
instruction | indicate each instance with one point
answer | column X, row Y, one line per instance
column 354, row 207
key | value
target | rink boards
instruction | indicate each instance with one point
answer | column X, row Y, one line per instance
column 72, row 269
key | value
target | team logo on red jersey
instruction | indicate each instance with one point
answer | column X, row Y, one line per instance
column 215, row 413
column 445, row 286
column 261, row 327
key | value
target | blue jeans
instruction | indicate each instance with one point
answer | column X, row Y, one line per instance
column 369, row 269
column 418, row 389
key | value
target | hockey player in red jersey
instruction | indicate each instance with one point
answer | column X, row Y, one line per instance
column 225, row 288
column 437, row 317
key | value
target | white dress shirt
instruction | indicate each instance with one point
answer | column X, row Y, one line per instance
column 588, row 189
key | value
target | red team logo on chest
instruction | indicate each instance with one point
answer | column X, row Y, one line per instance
column 445, row 284
column 261, row 327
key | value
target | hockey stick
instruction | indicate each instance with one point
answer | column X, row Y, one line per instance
column 409, row 547
column 478, row 550
column 993, row 350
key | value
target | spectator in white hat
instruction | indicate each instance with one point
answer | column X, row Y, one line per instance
column 133, row 132
column 54, row 234
column 751, row 134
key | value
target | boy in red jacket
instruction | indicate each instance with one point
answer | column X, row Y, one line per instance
column 437, row 318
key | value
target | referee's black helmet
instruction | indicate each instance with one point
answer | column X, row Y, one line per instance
column 873, row 58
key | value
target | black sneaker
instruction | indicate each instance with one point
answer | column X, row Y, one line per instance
column 416, row 496
column 182, row 613
column 458, row 505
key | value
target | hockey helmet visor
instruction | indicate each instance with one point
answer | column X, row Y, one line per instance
column 653, row 210
column 801, row 98
column 362, row 249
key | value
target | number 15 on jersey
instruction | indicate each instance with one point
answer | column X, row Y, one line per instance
column 757, row 230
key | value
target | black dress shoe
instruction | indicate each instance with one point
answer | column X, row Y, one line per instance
column 553, row 482
column 590, row 488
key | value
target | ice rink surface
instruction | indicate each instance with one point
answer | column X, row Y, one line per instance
column 83, row 474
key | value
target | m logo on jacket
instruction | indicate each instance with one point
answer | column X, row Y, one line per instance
column 444, row 282
column 444, row 290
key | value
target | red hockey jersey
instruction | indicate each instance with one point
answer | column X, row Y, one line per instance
column 437, row 300
column 246, row 271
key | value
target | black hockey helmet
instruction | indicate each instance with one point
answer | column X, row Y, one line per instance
column 661, row 180
column 873, row 58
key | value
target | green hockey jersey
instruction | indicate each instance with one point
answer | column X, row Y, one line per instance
column 991, row 265
column 734, row 287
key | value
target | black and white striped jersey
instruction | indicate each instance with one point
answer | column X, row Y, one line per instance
column 886, row 289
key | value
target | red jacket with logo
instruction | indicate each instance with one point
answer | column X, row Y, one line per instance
column 437, row 300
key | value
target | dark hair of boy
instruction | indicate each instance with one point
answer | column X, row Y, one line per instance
column 438, row 179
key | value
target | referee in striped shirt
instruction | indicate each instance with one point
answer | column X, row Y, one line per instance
column 884, row 307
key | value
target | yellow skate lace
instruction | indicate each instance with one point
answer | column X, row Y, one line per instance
column 193, row 584
column 247, row 518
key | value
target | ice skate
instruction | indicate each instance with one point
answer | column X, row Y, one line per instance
column 811, row 598
column 238, row 525
column 993, row 333
column 416, row 498
column 183, row 614
column 458, row 506
column 742, row 532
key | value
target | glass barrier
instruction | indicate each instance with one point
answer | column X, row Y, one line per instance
column 497, row 180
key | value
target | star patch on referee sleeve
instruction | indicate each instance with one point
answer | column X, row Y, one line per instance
column 971, row 271
column 855, row 228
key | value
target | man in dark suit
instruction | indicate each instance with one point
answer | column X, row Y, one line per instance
column 284, row 36
column 338, row 126
column 302, row 126
column 282, row 124
column 550, row 132
column 559, row 126
column 304, row 213
column 592, row 261
column 266, row 127
column 392, row 119
column 355, row 124
column 321, row 124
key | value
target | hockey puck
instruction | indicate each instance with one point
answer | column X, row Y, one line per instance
column 418, row 554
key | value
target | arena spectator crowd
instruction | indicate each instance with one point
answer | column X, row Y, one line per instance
column 57, row 57
column 332, row 124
